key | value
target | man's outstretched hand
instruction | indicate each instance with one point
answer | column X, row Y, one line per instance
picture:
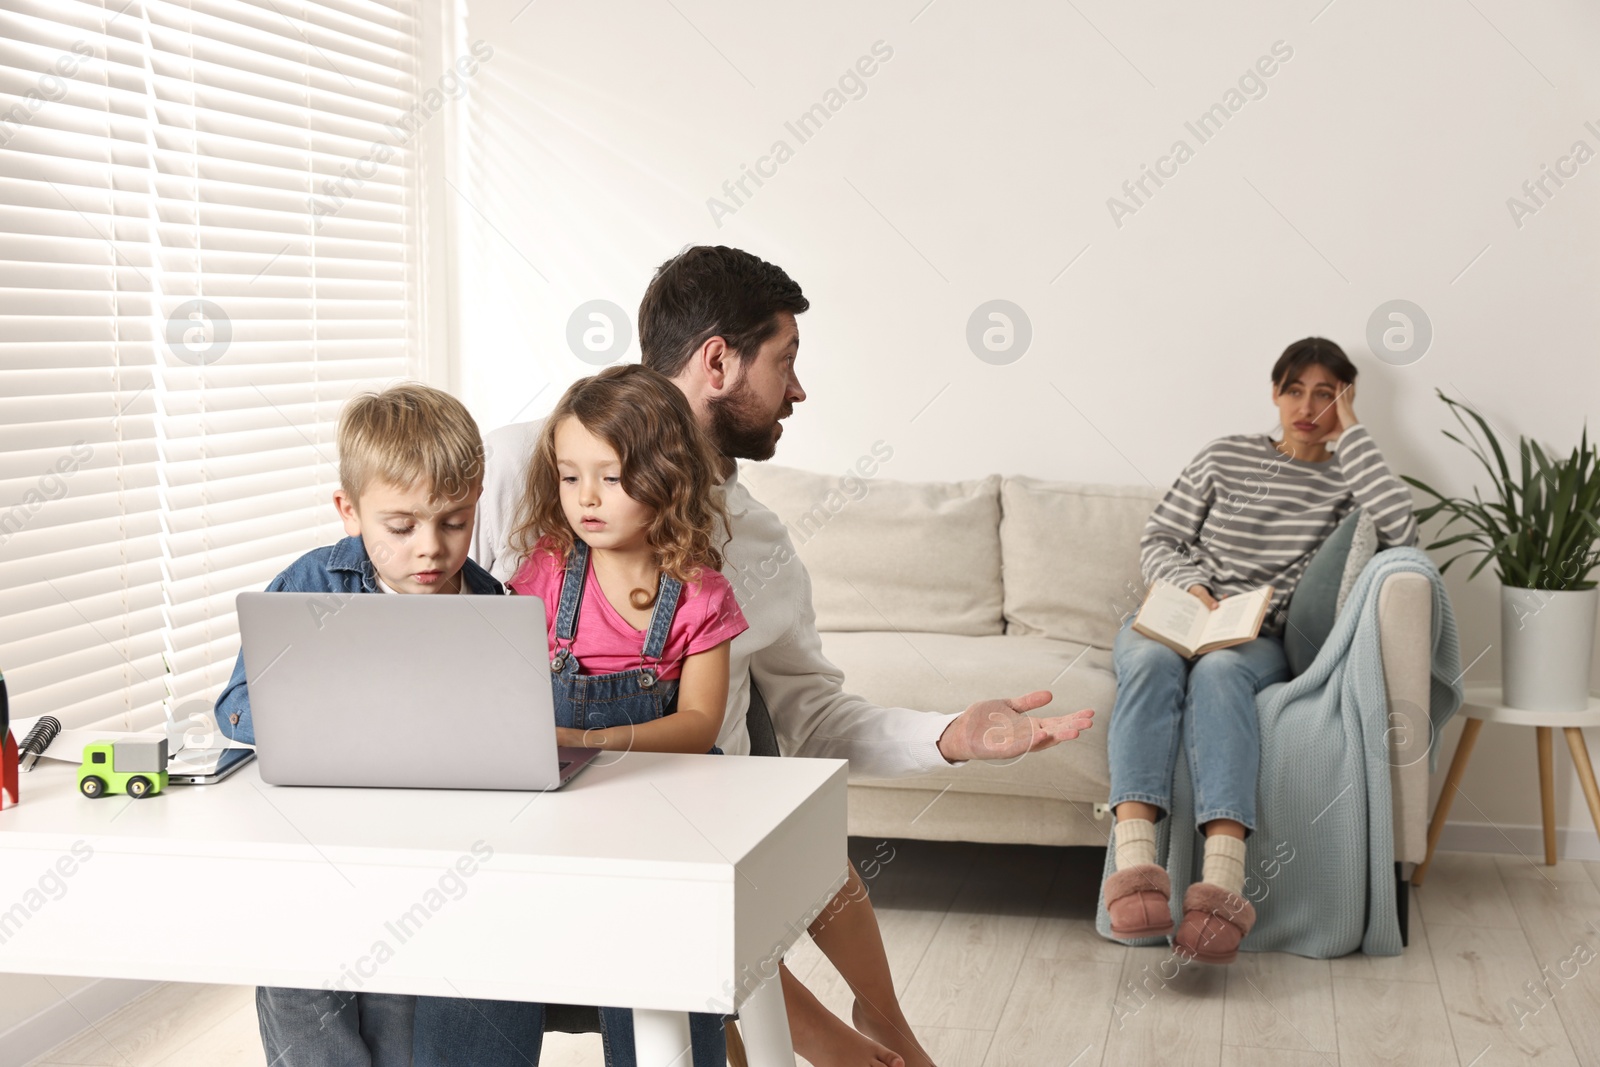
column 1000, row 729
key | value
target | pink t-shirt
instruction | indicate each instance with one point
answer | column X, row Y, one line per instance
column 605, row 642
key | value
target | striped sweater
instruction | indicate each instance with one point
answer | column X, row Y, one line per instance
column 1242, row 515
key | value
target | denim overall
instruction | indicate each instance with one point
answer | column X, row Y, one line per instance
column 621, row 698
column 495, row 1033
column 624, row 698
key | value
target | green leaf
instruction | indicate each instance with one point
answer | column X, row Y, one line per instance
column 1502, row 483
column 1544, row 530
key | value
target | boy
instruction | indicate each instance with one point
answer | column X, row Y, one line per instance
column 410, row 474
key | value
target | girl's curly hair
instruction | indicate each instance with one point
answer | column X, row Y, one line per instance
column 668, row 464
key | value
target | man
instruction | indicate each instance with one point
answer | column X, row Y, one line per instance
column 720, row 323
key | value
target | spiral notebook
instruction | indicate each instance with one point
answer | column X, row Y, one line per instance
column 42, row 737
column 45, row 736
column 36, row 735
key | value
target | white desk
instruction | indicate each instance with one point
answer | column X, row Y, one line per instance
column 669, row 883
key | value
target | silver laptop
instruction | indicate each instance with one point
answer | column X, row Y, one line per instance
column 415, row 692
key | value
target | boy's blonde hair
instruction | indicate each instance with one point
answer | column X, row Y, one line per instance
column 410, row 434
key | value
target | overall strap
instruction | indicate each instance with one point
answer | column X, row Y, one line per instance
column 655, row 641
column 572, row 591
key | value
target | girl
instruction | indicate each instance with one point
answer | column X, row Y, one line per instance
column 617, row 521
column 619, row 514
column 1248, row 511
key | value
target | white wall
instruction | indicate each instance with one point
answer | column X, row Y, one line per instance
column 978, row 165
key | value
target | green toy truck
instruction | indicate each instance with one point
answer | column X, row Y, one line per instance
column 135, row 767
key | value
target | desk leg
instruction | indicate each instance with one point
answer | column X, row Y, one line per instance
column 1458, row 767
column 764, row 1022
column 1580, row 759
column 661, row 1038
column 1547, row 792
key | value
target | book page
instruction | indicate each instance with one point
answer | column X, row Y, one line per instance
column 1174, row 613
column 1235, row 617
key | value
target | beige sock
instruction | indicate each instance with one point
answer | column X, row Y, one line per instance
column 1225, row 863
column 1136, row 842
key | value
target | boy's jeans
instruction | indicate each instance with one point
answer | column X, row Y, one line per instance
column 708, row 1045
column 330, row 1028
column 1210, row 704
column 452, row 1032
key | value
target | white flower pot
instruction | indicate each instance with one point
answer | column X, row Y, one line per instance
column 1547, row 647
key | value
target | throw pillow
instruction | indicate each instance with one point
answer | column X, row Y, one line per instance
column 1316, row 600
column 1363, row 546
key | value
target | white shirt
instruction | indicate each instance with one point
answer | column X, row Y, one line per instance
column 811, row 713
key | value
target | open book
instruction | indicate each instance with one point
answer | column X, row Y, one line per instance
column 1181, row 621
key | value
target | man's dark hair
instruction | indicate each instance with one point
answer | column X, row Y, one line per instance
column 712, row 291
column 1303, row 353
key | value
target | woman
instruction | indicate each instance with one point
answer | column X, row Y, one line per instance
column 1249, row 510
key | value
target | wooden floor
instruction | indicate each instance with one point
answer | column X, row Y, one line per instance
column 997, row 963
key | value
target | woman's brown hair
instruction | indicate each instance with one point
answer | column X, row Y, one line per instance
column 668, row 464
column 1306, row 351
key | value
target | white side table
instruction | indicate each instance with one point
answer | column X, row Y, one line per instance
column 1481, row 704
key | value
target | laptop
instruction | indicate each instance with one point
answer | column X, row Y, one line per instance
column 411, row 692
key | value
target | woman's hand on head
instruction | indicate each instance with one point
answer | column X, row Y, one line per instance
column 1344, row 409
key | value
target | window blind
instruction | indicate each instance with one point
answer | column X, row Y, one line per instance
column 208, row 241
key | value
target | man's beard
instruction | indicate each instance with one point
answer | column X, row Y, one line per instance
column 740, row 429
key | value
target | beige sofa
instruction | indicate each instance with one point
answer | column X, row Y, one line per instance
column 935, row 595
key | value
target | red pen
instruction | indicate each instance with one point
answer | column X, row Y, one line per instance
column 8, row 749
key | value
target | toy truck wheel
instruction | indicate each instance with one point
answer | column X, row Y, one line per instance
column 139, row 787
column 92, row 786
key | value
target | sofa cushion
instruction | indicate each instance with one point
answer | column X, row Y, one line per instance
column 946, row 673
column 1071, row 557
column 1363, row 549
column 1327, row 580
column 890, row 555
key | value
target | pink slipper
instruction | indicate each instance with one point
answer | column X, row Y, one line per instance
column 1139, row 900
column 1214, row 922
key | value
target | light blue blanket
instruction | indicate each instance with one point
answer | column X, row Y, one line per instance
column 1320, row 866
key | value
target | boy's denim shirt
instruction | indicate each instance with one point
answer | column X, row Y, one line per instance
column 338, row 568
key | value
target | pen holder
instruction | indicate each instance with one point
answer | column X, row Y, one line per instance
column 8, row 750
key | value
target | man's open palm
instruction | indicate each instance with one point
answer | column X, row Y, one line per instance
column 1000, row 729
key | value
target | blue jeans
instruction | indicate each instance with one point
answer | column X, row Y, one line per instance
column 453, row 1032
column 330, row 1028
column 1210, row 703
column 708, row 1046
column 500, row 1033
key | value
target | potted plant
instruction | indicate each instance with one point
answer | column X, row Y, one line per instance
column 1541, row 533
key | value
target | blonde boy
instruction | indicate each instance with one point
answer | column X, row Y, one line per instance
column 410, row 472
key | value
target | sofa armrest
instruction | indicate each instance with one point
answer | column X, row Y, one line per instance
column 1405, row 620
